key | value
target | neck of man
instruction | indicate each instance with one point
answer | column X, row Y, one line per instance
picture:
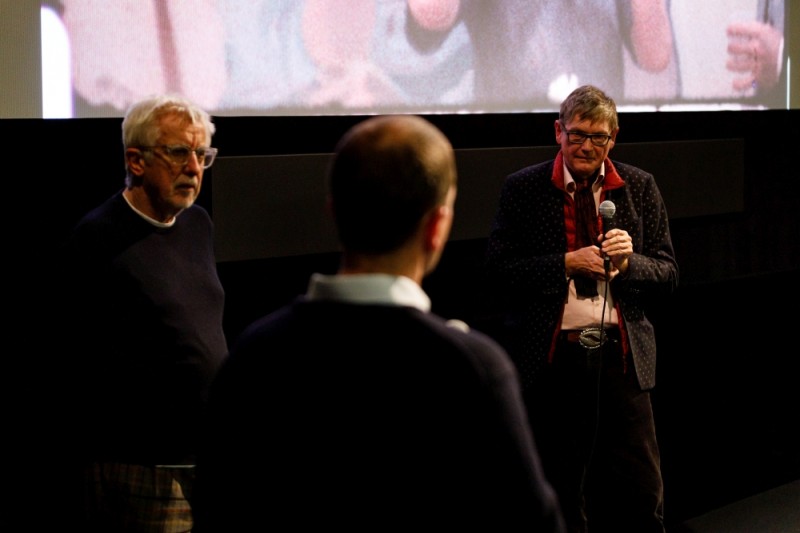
column 139, row 200
column 395, row 263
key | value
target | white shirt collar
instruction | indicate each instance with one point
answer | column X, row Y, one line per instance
column 382, row 289
column 151, row 220
column 569, row 181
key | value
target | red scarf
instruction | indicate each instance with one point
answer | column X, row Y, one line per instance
column 611, row 180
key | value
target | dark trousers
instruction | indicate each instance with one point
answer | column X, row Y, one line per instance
column 595, row 432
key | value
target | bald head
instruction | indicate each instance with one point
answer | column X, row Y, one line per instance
column 388, row 172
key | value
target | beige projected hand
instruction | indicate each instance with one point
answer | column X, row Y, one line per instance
column 754, row 50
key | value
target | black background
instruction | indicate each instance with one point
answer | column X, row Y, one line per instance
column 726, row 397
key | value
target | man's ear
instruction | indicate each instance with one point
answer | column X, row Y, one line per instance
column 557, row 127
column 437, row 227
column 134, row 158
column 613, row 139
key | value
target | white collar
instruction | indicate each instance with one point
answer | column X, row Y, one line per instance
column 149, row 219
column 569, row 181
column 383, row 289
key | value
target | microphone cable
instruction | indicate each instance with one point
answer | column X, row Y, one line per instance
column 598, row 367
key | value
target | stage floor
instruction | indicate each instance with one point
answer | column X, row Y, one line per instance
column 774, row 511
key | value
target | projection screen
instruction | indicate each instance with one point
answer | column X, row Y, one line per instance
column 335, row 57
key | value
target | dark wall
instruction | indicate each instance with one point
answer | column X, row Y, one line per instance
column 255, row 197
column 725, row 401
column 71, row 165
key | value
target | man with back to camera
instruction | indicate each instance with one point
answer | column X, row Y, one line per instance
column 576, row 325
column 356, row 406
column 142, row 307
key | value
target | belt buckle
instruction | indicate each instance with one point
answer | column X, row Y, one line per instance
column 592, row 338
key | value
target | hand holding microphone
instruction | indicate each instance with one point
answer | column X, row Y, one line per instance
column 618, row 246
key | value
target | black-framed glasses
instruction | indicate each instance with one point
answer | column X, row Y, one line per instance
column 178, row 154
column 578, row 137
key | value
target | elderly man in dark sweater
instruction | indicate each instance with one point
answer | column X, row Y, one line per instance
column 142, row 305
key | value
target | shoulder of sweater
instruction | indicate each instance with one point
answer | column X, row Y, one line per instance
column 197, row 210
column 628, row 171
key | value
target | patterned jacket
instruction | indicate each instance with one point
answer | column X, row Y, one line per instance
column 525, row 260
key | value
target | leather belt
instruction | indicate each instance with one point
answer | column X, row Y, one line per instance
column 589, row 338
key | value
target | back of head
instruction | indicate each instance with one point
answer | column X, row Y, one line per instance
column 387, row 173
column 589, row 103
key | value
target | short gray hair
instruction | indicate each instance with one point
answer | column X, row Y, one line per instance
column 140, row 127
column 589, row 103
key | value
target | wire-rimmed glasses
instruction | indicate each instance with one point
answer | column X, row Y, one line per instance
column 178, row 154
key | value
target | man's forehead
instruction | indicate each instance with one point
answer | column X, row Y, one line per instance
column 182, row 128
column 588, row 125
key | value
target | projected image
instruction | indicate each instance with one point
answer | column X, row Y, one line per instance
column 322, row 57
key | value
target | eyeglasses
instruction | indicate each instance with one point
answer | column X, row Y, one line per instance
column 178, row 154
column 578, row 137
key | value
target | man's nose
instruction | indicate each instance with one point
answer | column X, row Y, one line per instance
column 193, row 163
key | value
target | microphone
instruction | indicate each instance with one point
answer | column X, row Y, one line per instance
column 607, row 210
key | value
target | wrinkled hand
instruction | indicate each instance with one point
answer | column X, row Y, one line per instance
column 618, row 246
column 753, row 50
column 589, row 262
